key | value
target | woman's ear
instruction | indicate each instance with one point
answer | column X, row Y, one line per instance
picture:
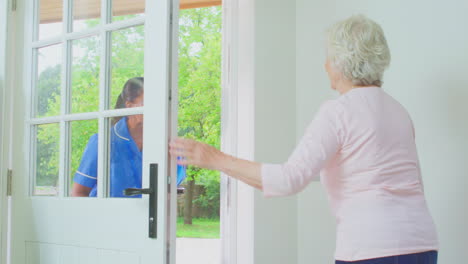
column 128, row 104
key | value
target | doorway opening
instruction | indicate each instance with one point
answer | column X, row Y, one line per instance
column 201, row 82
column 199, row 117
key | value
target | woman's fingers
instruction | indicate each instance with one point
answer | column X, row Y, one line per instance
column 178, row 152
column 191, row 152
column 182, row 143
column 182, row 150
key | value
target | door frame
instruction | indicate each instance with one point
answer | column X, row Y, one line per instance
column 238, row 128
column 7, row 71
column 237, row 136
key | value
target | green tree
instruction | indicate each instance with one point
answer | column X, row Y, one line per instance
column 48, row 103
column 199, row 98
column 199, row 95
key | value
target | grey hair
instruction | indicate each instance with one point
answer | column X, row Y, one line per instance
column 358, row 49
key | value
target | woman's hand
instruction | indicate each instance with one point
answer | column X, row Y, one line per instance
column 196, row 153
column 199, row 154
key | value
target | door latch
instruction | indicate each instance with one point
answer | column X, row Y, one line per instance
column 153, row 199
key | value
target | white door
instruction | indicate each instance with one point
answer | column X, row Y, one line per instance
column 74, row 57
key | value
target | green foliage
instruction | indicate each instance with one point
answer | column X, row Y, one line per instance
column 47, row 147
column 85, row 75
column 210, row 198
column 200, row 90
column 48, row 91
column 199, row 87
column 127, row 57
column 47, row 155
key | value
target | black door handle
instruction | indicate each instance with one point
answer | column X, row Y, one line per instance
column 153, row 199
column 136, row 191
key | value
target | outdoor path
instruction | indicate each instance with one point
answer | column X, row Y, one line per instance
column 198, row 250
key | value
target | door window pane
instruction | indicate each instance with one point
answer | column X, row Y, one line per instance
column 86, row 14
column 85, row 75
column 49, row 75
column 47, row 159
column 127, row 59
column 50, row 18
column 125, row 154
column 83, row 158
column 125, row 9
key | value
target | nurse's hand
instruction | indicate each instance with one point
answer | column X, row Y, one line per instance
column 196, row 153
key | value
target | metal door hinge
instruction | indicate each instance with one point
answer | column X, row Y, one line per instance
column 9, row 181
column 14, row 3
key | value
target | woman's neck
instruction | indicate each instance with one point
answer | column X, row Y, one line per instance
column 343, row 86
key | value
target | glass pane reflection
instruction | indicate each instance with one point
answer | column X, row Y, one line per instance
column 123, row 9
column 85, row 75
column 83, row 158
column 50, row 18
column 126, row 142
column 124, row 146
column 86, row 14
column 47, row 159
column 127, row 61
column 49, row 79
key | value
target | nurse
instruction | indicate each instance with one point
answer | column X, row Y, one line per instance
column 126, row 145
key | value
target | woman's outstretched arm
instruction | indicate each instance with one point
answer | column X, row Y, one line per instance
column 205, row 156
column 321, row 141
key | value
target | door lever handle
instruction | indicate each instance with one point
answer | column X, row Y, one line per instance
column 136, row 191
column 153, row 199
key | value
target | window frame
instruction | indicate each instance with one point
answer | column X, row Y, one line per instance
column 104, row 31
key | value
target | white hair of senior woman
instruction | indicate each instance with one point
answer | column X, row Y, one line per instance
column 358, row 49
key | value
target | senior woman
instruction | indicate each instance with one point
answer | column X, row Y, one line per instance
column 363, row 146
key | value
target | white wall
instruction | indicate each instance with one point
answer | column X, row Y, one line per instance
column 275, row 237
column 429, row 76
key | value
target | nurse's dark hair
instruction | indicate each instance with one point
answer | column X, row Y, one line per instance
column 131, row 90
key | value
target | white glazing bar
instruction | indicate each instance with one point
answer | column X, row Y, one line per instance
column 63, row 162
column 34, row 26
column 63, row 146
column 32, row 159
column 47, row 42
column 90, row 32
column 125, row 24
column 87, row 116
column 103, row 98
column 30, row 79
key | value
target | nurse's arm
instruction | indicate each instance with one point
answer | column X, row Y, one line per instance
column 79, row 190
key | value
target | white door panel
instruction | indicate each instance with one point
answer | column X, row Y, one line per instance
column 62, row 229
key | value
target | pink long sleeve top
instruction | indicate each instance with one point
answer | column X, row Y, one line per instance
column 362, row 145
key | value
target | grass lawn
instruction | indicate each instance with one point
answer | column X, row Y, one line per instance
column 200, row 228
